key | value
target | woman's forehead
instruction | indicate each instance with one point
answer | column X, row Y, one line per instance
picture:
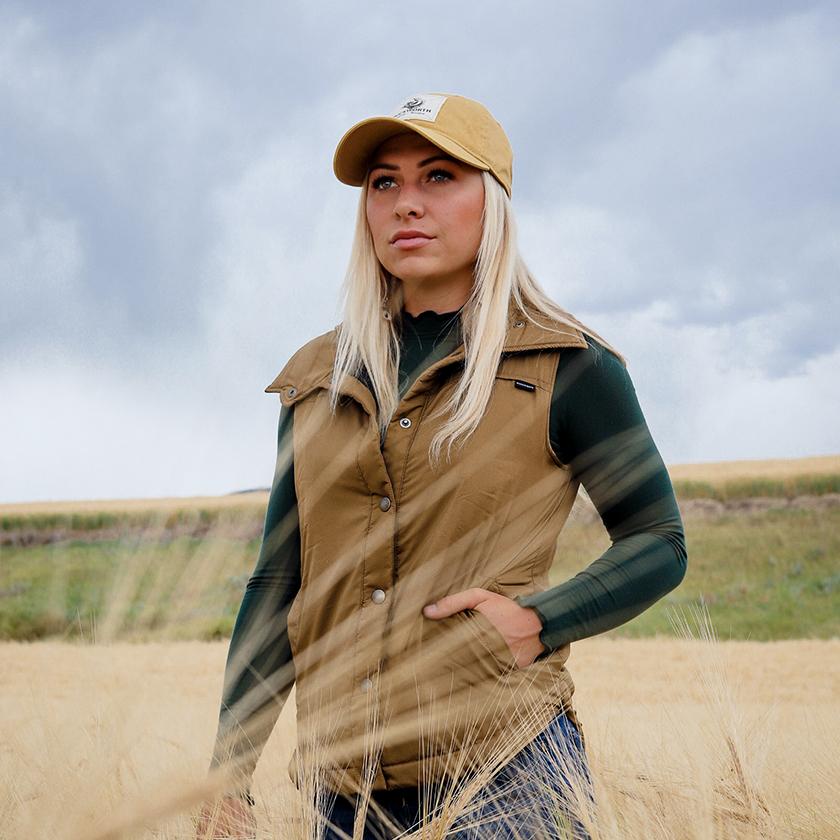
column 413, row 146
column 406, row 141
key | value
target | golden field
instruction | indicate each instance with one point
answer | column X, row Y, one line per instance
column 174, row 503
column 764, row 468
column 686, row 739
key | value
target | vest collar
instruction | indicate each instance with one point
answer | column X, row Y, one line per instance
column 311, row 367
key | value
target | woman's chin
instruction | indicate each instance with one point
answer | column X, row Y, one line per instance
column 416, row 271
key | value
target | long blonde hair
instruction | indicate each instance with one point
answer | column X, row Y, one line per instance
column 372, row 300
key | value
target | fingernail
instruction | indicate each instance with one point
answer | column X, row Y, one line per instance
column 431, row 607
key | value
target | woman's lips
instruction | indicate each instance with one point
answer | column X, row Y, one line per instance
column 409, row 244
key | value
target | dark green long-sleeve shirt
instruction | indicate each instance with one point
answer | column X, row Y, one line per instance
column 596, row 427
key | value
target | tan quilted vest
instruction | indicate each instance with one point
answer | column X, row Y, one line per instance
column 382, row 534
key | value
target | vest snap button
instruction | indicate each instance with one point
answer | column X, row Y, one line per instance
column 405, row 422
column 519, row 324
column 384, row 503
column 292, row 391
column 377, row 596
column 366, row 684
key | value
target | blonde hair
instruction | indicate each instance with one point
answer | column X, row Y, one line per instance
column 372, row 300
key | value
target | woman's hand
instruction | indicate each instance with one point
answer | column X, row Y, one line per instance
column 233, row 819
column 520, row 626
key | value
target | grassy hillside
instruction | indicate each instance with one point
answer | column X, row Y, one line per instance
column 176, row 568
column 767, row 575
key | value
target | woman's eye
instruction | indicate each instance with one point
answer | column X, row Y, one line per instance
column 446, row 175
column 378, row 181
column 382, row 182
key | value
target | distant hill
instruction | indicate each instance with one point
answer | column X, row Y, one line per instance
column 721, row 480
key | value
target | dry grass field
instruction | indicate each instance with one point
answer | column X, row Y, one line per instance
column 107, row 723
column 175, row 503
column 775, row 468
column 686, row 739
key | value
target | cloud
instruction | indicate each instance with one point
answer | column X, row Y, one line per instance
column 171, row 231
column 273, row 276
column 707, row 395
column 74, row 430
column 712, row 192
column 41, row 263
column 124, row 140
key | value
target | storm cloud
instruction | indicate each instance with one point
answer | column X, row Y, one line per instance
column 171, row 230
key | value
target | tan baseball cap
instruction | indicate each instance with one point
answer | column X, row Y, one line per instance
column 461, row 127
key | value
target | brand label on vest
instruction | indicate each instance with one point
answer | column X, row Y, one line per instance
column 525, row 386
column 424, row 106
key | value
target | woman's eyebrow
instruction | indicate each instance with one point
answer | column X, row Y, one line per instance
column 392, row 167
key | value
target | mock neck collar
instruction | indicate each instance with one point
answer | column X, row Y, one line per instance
column 430, row 313
column 430, row 324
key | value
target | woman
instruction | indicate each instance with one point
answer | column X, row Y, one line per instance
column 430, row 448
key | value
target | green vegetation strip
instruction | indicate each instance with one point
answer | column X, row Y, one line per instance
column 185, row 588
column 763, row 575
column 93, row 520
column 746, row 488
column 106, row 520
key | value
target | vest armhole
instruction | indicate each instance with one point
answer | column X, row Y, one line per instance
column 550, row 449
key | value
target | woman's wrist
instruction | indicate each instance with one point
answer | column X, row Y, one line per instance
column 547, row 648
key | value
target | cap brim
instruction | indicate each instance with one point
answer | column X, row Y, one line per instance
column 352, row 155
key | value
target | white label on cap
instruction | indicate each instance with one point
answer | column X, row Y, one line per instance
column 424, row 106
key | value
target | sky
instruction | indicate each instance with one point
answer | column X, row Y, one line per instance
column 171, row 230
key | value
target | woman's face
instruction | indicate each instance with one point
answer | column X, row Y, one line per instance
column 415, row 186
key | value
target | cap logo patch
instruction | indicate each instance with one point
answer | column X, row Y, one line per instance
column 424, row 106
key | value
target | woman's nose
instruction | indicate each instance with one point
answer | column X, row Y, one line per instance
column 409, row 202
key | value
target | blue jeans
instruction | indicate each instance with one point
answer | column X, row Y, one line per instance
column 524, row 801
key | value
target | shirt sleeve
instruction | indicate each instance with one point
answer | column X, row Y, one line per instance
column 597, row 428
column 259, row 673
